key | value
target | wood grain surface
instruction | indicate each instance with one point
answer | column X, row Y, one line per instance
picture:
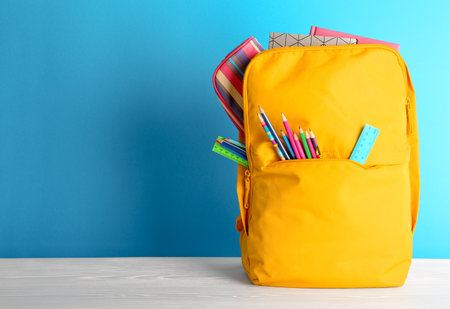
column 195, row 283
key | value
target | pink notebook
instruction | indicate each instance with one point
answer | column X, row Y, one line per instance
column 361, row 40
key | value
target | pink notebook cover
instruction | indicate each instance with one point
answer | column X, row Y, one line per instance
column 361, row 40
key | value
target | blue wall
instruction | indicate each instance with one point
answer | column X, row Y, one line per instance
column 108, row 115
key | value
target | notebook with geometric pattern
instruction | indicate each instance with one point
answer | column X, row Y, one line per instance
column 278, row 39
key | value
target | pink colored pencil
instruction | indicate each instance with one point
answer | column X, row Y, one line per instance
column 310, row 145
column 299, row 147
column 291, row 138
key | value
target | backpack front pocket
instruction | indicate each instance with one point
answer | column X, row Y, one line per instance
column 329, row 223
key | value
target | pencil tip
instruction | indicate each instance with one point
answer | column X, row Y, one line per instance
column 261, row 109
column 284, row 117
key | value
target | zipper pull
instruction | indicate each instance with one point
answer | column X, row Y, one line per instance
column 408, row 116
column 247, row 188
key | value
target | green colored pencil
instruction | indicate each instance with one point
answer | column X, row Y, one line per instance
column 305, row 144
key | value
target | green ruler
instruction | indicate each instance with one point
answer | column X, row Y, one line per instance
column 228, row 154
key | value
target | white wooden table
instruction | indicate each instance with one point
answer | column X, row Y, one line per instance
column 195, row 283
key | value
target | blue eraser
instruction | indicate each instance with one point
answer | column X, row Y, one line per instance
column 364, row 144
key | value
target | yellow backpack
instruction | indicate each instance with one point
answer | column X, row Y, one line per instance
column 330, row 222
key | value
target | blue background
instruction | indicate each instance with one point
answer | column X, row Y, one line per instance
column 108, row 116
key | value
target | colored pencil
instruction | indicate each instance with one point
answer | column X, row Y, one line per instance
column 269, row 134
column 291, row 138
column 299, row 147
column 234, row 146
column 231, row 147
column 274, row 134
column 288, row 144
column 310, row 145
column 236, row 143
column 314, row 141
column 305, row 144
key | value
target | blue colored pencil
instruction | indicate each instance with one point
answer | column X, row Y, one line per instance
column 288, row 144
column 231, row 149
column 231, row 146
column 274, row 134
column 236, row 143
column 274, row 143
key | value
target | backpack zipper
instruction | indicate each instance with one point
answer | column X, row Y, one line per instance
column 247, row 197
column 247, row 188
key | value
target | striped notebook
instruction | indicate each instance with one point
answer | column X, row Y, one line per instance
column 228, row 76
